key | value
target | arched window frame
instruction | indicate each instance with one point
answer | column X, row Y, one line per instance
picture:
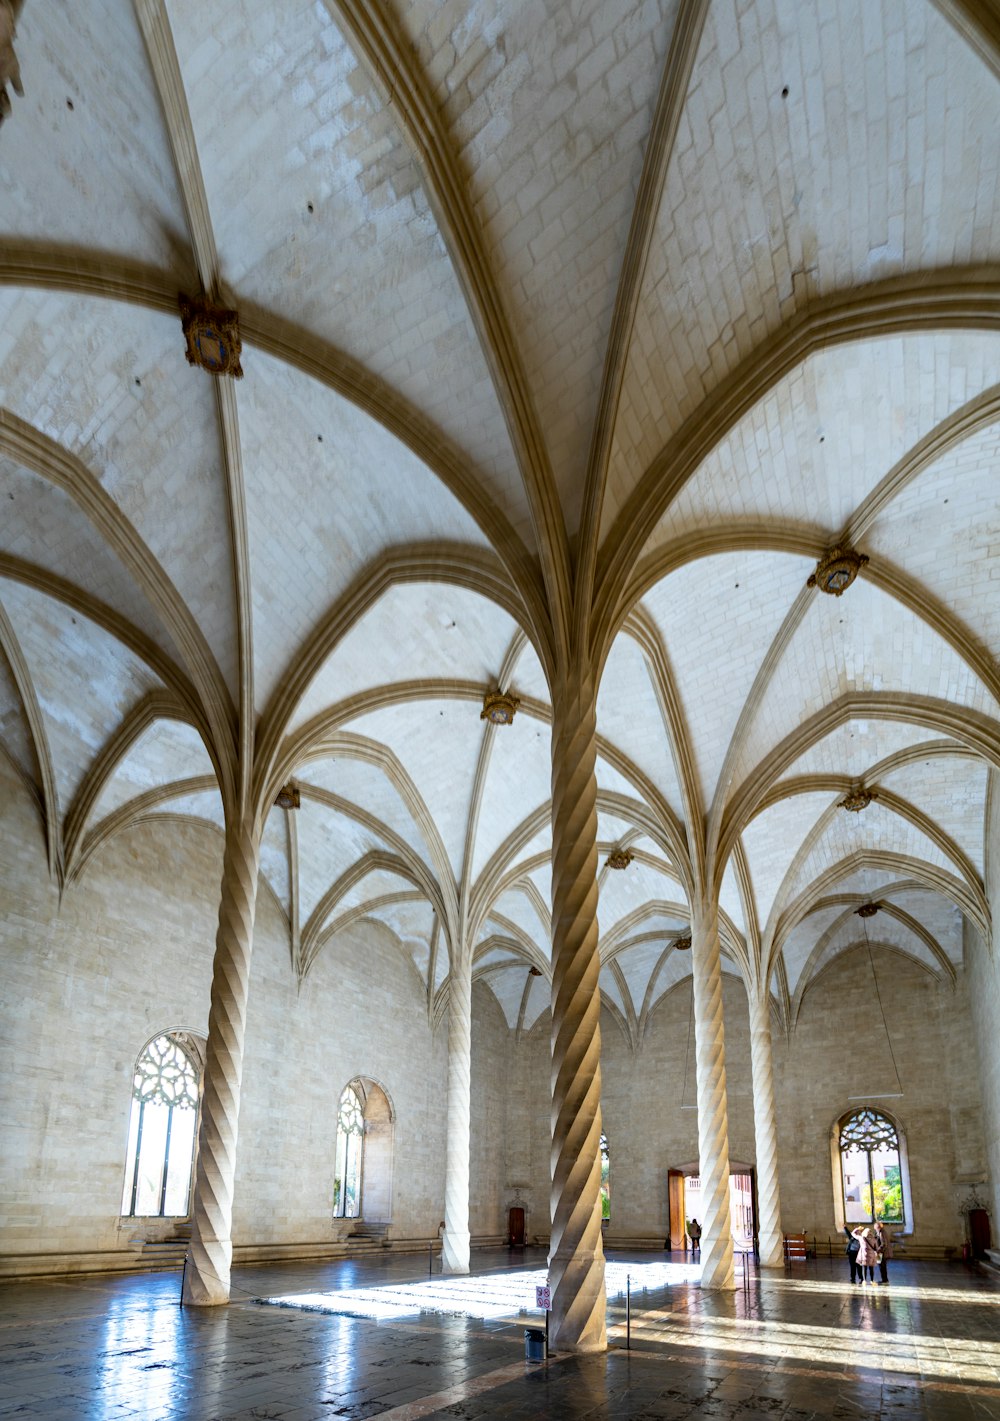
column 348, row 1182
column 167, row 1073
column 605, row 1179
column 836, row 1162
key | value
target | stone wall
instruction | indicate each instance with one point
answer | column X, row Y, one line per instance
column 837, row 1050
column 86, row 983
column 984, row 993
column 127, row 954
column 128, row 951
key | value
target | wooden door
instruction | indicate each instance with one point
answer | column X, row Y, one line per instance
column 676, row 1239
column 979, row 1232
column 515, row 1228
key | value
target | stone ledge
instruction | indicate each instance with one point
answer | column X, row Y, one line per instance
column 54, row 1265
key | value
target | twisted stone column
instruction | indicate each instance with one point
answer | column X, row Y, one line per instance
column 713, row 1120
column 576, row 1259
column 455, row 1247
column 765, row 1130
column 206, row 1278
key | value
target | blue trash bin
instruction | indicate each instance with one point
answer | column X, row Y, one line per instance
column 534, row 1344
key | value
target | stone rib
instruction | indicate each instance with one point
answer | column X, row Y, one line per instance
column 713, row 1123
column 455, row 1246
column 576, row 1261
column 206, row 1278
column 766, row 1133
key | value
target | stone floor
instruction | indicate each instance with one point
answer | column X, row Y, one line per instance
column 792, row 1345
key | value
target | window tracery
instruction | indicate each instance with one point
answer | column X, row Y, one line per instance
column 350, row 1143
column 162, row 1129
column 870, row 1168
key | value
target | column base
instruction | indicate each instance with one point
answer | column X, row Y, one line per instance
column 455, row 1253
column 772, row 1250
column 208, row 1288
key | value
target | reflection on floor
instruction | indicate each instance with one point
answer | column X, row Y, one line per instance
column 794, row 1345
column 507, row 1294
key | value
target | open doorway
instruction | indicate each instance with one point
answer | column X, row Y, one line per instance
column 684, row 1202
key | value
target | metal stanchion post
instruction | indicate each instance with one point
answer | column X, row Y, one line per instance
column 430, row 1259
column 184, row 1270
column 628, row 1311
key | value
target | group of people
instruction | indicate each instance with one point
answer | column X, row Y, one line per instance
column 867, row 1246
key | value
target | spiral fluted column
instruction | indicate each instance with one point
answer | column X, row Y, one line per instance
column 455, row 1246
column 765, row 1129
column 576, row 1259
column 713, row 1120
column 206, row 1278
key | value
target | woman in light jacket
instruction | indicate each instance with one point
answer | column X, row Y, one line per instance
column 883, row 1242
column 867, row 1253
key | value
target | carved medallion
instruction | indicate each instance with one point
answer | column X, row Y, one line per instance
column 213, row 337
column 499, row 707
column 867, row 910
column 620, row 858
column 683, row 944
column 288, row 797
column 835, row 572
column 534, row 971
column 857, row 799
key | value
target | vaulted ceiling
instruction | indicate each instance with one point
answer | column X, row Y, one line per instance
column 617, row 316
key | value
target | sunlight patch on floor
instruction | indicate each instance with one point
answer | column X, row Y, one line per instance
column 490, row 1296
column 847, row 1346
column 982, row 1298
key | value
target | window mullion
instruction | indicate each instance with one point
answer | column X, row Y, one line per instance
column 135, row 1162
column 166, row 1161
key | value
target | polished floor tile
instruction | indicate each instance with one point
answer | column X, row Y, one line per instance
column 795, row 1345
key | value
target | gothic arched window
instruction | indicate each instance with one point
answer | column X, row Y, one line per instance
column 870, row 1168
column 605, row 1178
column 162, row 1129
column 350, row 1147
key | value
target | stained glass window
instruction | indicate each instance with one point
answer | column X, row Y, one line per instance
column 350, row 1143
column 162, row 1128
column 870, row 1168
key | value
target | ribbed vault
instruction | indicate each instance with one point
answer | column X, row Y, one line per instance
column 593, row 330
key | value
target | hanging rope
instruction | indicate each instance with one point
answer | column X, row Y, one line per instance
column 878, row 998
column 687, row 1054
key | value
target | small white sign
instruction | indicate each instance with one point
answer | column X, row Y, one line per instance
column 543, row 1298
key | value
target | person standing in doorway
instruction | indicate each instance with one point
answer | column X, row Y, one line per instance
column 853, row 1248
column 867, row 1252
column 694, row 1234
column 883, row 1240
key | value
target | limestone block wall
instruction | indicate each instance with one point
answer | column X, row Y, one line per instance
column 85, row 983
column 984, row 995
column 838, row 1050
column 984, row 992
column 527, row 1127
column 648, row 1130
column 359, row 1012
column 491, row 1052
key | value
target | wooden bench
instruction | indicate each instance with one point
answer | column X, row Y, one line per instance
column 795, row 1248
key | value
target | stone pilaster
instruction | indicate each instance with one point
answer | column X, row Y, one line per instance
column 455, row 1246
column 576, row 1261
column 206, row 1279
column 713, row 1121
column 765, row 1130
